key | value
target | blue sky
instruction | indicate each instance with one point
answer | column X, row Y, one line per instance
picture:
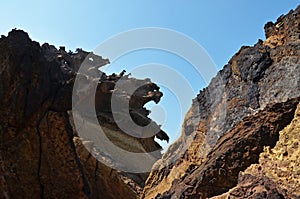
column 221, row 27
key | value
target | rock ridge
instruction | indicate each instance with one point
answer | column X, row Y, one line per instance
column 229, row 112
column 41, row 154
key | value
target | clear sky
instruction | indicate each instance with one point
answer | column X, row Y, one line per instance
column 220, row 26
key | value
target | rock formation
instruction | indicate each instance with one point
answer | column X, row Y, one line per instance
column 235, row 119
column 240, row 138
column 278, row 173
column 41, row 155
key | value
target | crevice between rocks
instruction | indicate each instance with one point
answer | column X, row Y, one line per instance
column 86, row 188
column 235, row 151
column 276, row 118
column 40, row 154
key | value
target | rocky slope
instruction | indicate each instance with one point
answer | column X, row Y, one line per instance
column 41, row 155
column 236, row 118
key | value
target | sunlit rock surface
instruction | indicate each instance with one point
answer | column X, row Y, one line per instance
column 241, row 112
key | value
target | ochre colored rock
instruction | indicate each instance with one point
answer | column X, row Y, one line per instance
column 231, row 121
column 239, row 139
column 278, row 173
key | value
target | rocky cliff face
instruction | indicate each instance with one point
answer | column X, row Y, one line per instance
column 239, row 139
column 41, row 155
column 235, row 123
column 278, row 172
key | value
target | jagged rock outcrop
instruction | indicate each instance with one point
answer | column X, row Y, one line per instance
column 41, row 155
column 239, row 139
column 231, row 121
column 278, row 173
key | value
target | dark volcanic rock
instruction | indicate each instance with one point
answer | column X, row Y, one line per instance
column 242, row 110
column 41, row 155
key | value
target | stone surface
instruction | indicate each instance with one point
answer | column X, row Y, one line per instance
column 232, row 119
column 239, row 139
column 278, row 173
column 41, row 154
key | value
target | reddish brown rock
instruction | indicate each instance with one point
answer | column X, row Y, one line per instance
column 235, row 151
column 228, row 145
column 277, row 174
column 41, row 154
column 232, row 119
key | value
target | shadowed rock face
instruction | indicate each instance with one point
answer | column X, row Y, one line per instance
column 242, row 110
column 41, row 154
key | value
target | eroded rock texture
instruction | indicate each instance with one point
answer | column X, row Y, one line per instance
column 231, row 121
column 278, row 173
column 41, row 155
column 239, row 139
